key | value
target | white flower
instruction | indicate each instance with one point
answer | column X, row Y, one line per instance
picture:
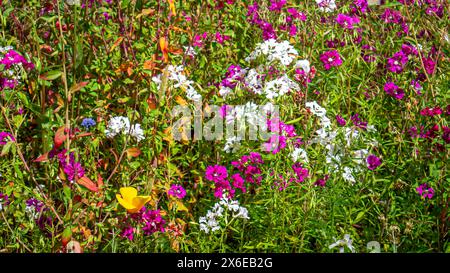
column 117, row 125
column 120, row 124
column 179, row 80
column 232, row 144
column 279, row 87
column 137, row 132
column 224, row 91
column 303, row 64
column 189, row 51
column 253, row 81
column 326, row 5
column 348, row 176
column 283, row 51
column 299, row 153
column 316, row 109
column 342, row 243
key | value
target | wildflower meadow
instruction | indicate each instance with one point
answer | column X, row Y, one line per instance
column 224, row 126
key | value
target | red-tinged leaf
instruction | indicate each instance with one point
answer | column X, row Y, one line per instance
column 42, row 158
column 116, row 43
column 99, row 180
column 51, row 75
column 133, row 152
column 60, row 137
column 86, row 182
column 83, row 135
column 78, row 86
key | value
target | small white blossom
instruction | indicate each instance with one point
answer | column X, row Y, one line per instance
column 346, row 242
column 299, row 153
column 281, row 51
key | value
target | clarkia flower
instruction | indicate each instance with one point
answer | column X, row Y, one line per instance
column 346, row 21
column 177, row 191
column 373, row 162
column 216, row 173
column 425, row 191
column 393, row 90
column 331, row 58
column 397, row 62
column 5, row 137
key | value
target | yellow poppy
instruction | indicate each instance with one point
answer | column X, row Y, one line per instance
column 129, row 199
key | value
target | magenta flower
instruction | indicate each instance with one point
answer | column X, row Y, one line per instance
column 153, row 221
column 216, row 173
column 322, row 181
column 429, row 65
column 346, row 21
column 331, row 58
column 373, row 162
column 276, row 5
column 275, row 144
column 301, row 173
column 238, row 182
column 5, row 137
column 340, row 120
column 199, row 39
column 397, row 62
column 392, row 16
column 394, row 91
column 425, row 192
column 220, row 38
column 177, row 191
column 128, row 232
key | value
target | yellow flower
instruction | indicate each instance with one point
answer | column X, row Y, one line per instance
column 130, row 201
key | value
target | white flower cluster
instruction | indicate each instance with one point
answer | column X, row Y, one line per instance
column 179, row 80
column 303, row 64
column 211, row 222
column 301, row 154
column 249, row 112
column 120, row 124
column 326, row 5
column 279, row 87
column 327, row 138
column 233, row 144
column 281, row 51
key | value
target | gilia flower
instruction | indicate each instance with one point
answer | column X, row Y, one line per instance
column 129, row 199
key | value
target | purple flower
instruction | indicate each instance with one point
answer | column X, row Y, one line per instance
column 153, row 222
column 128, row 232
column 392, row 16
column 4, row 200
column 178, row 191
column 220, row 38
column 216, row 173
column 373, row 162
column 358, row 122
column 238, row 182
column 5, row 137
column 359, row 6
column 300, row 172
column 393, row 90
column 346, row 21
column 322, row 181
column 275, row 144
column 429, row 65
column 397, row 62
column 276, row 5
column 424, row 191
column 70, row 167
column 87, row 123
column 340, row 120
column 331, row 58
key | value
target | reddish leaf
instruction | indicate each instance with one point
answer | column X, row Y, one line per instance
column 86, row 182
column 60, row 137
column 78, row 86
column 99, row 180
column 133, row 152
column 42, row 158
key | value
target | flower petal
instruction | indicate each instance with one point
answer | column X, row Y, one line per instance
column 128, row 193
column 127, row 205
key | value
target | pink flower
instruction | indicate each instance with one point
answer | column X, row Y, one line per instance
column 425, row 192
column 177, row 191
column 221, row 38
column 216, row 173
column 394, row 91
column 346, row 21
column 331, row 58
column 397, row 62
